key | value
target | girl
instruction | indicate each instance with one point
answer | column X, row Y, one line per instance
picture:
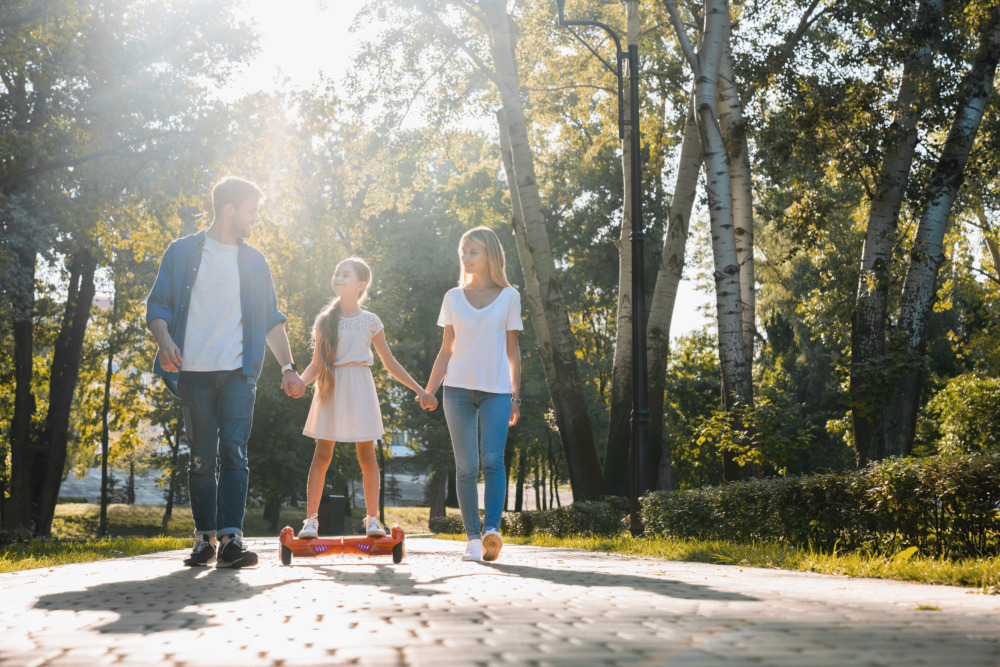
column 480, row 364
column 345, row 407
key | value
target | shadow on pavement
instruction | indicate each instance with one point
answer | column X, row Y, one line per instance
column 665, row 587
column 387, row 578
column 154, row 605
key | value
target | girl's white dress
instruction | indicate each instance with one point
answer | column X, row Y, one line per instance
column 351, row 413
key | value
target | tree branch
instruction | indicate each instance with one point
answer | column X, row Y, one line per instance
column 682, row 37
column 449, row 36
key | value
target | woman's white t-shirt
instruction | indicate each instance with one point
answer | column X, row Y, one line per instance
column 479, row 358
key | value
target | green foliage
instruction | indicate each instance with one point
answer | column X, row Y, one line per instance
column 967, row 412
column 943, row 506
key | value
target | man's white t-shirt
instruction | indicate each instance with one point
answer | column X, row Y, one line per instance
column 479, row 359
column 213, row 340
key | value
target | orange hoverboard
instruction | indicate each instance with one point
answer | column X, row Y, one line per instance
column 394, row 543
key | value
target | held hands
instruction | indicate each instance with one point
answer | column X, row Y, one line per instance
column 170, row 357
column 292, row 384
column 426, row 399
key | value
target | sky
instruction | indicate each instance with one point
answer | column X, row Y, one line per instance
column 304, row 40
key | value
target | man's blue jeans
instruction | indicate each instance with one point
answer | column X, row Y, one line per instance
column 477, row 421
column 218, row 413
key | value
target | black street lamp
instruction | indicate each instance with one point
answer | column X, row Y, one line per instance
column 640, row 478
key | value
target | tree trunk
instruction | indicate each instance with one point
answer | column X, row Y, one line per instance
column 272, row 513
column 992, row 241
column 451, row 497
column 102, row 525
column 175, row 448
column 532, row 293
column 668, row 278
column 581, row 454
column 519, row 486
column 508, row 461
column 927, row 254
column 735, row 135
column 434, row 490
column 736, row 379
column 868, row 381
column 62, row 387
column 18, row 509
column 619, row 441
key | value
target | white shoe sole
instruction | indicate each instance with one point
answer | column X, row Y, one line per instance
column 303, row 535
column 492, row 543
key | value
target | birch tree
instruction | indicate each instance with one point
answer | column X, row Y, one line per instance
column 868, row 332
column 706, row 64
column 927, row 253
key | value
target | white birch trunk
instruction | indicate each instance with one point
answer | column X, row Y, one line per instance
column 871, row 302
column 616, row 473
column 736, row 380
column 734, row 130
column 668, row 278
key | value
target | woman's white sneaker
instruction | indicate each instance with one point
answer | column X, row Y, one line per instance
column 492, row 543
column 373, row 528
column 310, row 528
column 474, row 550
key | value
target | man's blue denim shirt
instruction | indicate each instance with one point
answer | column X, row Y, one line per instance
column 170, row 300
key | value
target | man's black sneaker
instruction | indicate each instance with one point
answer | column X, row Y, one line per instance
column 203, row 552
column 232, row 554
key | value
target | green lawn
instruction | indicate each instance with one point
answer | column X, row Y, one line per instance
column 981, row 573
column 137, row 529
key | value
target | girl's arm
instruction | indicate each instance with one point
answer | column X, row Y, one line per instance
column 441, row 363
column 514, row 359
column 312, row 370
column 395, row 369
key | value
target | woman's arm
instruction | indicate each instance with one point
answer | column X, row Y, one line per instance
column 514, row 359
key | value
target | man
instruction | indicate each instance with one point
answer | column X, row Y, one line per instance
column 211, row 310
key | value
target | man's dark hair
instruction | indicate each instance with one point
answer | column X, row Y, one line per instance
column 234, row 190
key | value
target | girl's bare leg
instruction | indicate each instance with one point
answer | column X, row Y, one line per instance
column 369, row 472
column 317, row 475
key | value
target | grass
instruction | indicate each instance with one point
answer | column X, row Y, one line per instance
column 39, row 553
column 981, row 573
column 137, row 529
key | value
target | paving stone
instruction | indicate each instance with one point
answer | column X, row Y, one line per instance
column 535, row 606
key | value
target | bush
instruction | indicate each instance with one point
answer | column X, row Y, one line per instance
column 450, row 524
column 586, row 519
column 944, row 506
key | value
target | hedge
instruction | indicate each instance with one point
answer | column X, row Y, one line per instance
column 599, row 518
column 944, row 506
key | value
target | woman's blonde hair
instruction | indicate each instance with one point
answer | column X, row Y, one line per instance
column 494, row 252
column 327, row 323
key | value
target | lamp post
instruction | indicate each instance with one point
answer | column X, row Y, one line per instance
column 640, row 477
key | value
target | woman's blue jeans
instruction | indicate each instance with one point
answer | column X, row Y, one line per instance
column 477, row 421
column 218, row 413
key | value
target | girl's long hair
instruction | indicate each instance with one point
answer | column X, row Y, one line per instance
column 494, row 252
column 327, row 322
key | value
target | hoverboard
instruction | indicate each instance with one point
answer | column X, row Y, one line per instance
column 394, row 543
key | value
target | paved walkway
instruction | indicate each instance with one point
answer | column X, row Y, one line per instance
column 533, row 607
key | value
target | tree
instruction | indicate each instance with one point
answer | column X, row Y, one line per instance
column 74, row 131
